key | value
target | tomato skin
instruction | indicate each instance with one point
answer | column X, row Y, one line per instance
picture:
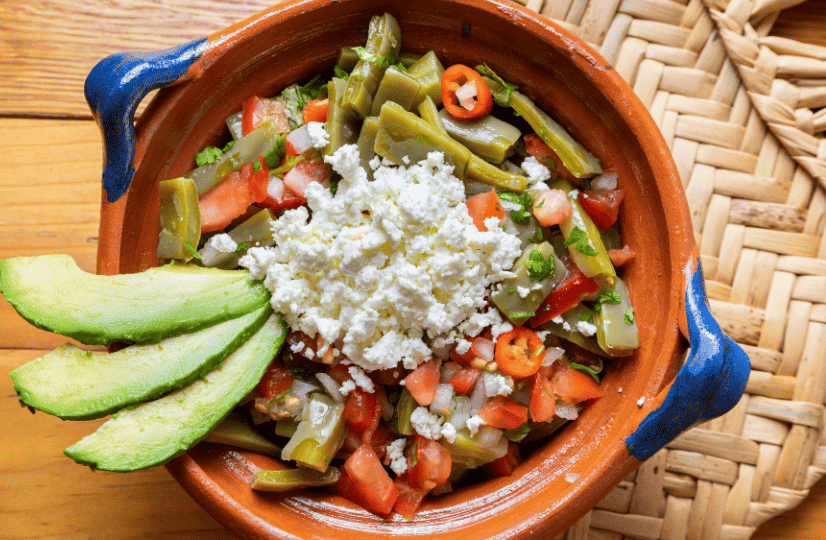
column 422, row 382
column 410, row 499
column 260, row 180
column 543, row 402
column 365, row 482
column 360, row 408
column 573, row 385
column 227, row 201
column 464, row 379
column 315, row 110
column 539, row 149
column 276, row 379
column 505, row 465
column 432, row 464
column 452, row 79
column 503, row 413
column 566, row 295
column 280, row 198
column 483, row 206
column 602, row 205
column 519, row 353
column 304, row 173
column 257, row 110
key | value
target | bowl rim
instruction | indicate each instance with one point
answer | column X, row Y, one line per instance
column 208, row 492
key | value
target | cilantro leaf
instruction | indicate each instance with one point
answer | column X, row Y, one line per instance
column 538, row 266
column 192, row 250
column 256, row 166
column 241, row 247
column 606, row 297
column 273, row 157
column 227, row 147
column 537, row 236
column 503, row 95
column 522, row 215
column 629, row 315
column 292, row 161
column 587, row 369
column 586, row 316
column 421, row 139
column 583, row 245
column 208, row 156
column 373, row 59
column 340, row 73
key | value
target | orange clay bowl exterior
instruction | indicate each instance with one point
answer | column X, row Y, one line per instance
column 572, row 472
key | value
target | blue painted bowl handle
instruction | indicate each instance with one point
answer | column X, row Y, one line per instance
column 115, row 87
column 710, row 383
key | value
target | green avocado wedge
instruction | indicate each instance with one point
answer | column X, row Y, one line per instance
column 75, row 384
column 157, row 431
column 51, row 292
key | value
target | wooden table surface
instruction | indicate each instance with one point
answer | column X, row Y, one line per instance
column 50, row 165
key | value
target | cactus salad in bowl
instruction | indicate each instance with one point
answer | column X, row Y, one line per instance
column 438, row 255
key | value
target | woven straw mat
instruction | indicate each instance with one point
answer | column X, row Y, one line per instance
column 742, row 114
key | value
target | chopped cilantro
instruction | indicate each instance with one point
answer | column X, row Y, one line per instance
column 373, row 59
column 550, row 161
column 421, row 139
column 586, row 315
column 208, row 156
column 517, row 434
column 583, row 245
column 227, row 147
column 520, row 314
column 541, row 204
column 192, row 250
column 607, row 297
column 241, row 247
column 401, row 67
column 521, row 215
column 280, row 397
column 256, row 165
column 340, row 73
column 587, row 369
column 273, row 157
column 629, row 315
column 537, row 236
column 543, row 132
column 539, row 267
column 511, row 290
column 291, row 162
column 503, row 95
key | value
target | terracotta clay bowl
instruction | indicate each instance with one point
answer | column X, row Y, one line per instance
column 645, row 407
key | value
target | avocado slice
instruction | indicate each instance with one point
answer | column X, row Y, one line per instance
column 157, row 431
column 75, row 384
column 51, row 292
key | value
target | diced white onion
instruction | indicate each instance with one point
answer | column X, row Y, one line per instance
column 441, row 401
column 605, row 181
column 461, row 412
column 483, row 348
column 477, row 396
column 552, row 354
column 449, row 369
column 466, row 94
column 330, row 385
column 488, row 437
column 300, row 139
column 566, row 411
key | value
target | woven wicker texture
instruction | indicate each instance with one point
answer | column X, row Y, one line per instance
column 743, row 114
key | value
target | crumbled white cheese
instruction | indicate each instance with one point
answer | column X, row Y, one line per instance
column 566, row 326
column 318, row 410
column 496, row 385
column 346, row 387
column 384, row 266
column 474, row 423
column 395, row 456
column 319, row 138
column 426, row 423
column 585, row 328
column 538, row 174
column 222, row 243
column 557, row 319
column 641, row 401
column 449, row 432
column 361, row 379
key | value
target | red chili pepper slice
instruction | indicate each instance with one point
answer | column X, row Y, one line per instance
column 454, row 78
column 520, row 352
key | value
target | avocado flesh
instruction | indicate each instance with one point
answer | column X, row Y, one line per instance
column 77, row 385
column 52, row 293
column 158, row 431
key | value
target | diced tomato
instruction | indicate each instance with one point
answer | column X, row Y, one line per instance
column 567, row 294
column 382, row 437
column 410, row 499
column 360, row 409
column 226, row 201
column 429, row 464
column 539, row 149
column 260, row 180
column 464, row 379
column 602, row 205
column 303, row 173
column 543, row 402
column 339, row 373
column 622, row 256
column 422, row 382
column 279, row 197
column 257, row 110
column 520, row 352
column 483, row 206
column 464, row 92
column 503, row 413
column 552, row 207
column 573, row 385
column 505, row 465
column 365, row 482
column 276, row 379
column 315, row 110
